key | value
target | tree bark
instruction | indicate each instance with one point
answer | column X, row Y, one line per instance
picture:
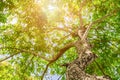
column 76, row 69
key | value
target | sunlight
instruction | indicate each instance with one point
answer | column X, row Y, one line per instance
column 60, row 25
column 14, row 20
column 51, row 8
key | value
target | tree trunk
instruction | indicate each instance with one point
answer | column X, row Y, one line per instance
column 76, row 69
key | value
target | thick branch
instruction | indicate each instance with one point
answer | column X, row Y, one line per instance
column 45, row 70
column 61, row 52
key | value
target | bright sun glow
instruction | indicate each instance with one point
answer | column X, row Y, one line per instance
column 14, row 20
column 60, row 25
column 51, row 8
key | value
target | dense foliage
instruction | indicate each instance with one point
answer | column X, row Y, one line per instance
column 32, row 31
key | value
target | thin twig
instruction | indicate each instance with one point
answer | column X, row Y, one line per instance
column 27, row 65
column 100, row 68
column 9, row 57
column 59, row 77
column 28, row 51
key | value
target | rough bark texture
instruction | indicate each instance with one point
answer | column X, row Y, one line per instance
column 76, row 69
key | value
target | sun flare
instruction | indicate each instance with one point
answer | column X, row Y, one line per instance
column 51, row 7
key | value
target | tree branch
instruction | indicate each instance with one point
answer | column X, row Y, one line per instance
column 27, row 51
column 61, row 52
column 27, row 64
column 9, row 57
column 43, row 57
column 45, row 70
column 97, row 21
column 100, row 68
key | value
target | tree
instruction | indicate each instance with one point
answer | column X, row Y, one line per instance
column 77, row 39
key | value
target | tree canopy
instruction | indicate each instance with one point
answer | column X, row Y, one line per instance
column 36, row 37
